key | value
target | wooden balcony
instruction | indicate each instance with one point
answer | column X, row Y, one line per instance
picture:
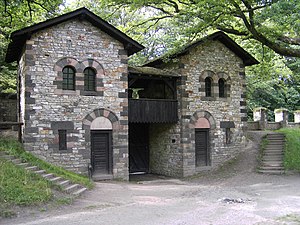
column 153, row 111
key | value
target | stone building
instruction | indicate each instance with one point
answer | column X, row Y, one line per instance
column 81, row 104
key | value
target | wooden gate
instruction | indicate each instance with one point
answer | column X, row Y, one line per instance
column 138, row 148
column 101, row 151
column 202, row 147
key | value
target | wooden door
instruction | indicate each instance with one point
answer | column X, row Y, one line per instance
column 101, row 151
column 138, row 148
column 202, row 147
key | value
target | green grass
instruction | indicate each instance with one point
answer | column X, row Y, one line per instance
column 13, row 147
column 20, row 187
column 292, row 148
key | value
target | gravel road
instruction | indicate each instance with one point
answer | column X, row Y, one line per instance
column 235, row 194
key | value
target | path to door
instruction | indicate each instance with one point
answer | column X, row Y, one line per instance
column 234, row 195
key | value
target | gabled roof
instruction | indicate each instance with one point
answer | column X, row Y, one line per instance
column 19, row 37
column 220, row 36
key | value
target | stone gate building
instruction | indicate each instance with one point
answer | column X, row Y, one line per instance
column 81, row 104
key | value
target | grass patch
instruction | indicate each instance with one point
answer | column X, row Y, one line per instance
column 263, row 144
column 20, row 187
column 64, row 201
column 292, row 148
column 290, row 218
column 13, row 147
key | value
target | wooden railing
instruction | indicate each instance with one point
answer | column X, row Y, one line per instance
column 153, row 111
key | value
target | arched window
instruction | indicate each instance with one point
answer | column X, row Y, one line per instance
column 208, row 90
column 68, row 78
column 89, row 79
column 221, row 88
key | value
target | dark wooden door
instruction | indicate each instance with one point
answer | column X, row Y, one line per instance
column 101, row 151
column 138, row 148
column 202, row 147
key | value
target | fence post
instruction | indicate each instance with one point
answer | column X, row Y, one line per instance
column 282, row 115
column 260, row 114
column 297, row 116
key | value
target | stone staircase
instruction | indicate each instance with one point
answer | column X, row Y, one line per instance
column 65, row 185
column 272, row 158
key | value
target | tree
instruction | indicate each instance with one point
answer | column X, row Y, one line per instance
column 274, row 83
column 273, row 23
column 17, row 14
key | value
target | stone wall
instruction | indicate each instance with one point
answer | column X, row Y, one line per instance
column 8, row 108
column 165, row 153
column 260, row 119
column 215, row 60
column 46, row 108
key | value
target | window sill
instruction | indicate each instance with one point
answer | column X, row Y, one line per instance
column 89, row 93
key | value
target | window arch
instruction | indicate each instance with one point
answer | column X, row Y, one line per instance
column 89, row 79
column 208, row 87
column 221, row 84
column 68, row 78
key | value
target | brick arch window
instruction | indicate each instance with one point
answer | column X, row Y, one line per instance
column 89, row 79
column 222, row 89
column 208, row 86
column 68, row 78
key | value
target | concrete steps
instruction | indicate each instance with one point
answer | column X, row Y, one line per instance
column 272, row 158
column 66, row 185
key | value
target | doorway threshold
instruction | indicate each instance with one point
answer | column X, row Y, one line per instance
column 101, row 177
column 137, row 173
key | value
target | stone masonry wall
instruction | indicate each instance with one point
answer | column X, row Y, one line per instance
column 48, row 108
column 8, row 108
column 165, row 153
column 211, row 59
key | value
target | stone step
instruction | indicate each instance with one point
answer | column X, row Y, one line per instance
column 271, row 168
column 274, row 138
column 275, row 135
column 273, row 153
column 64, row 182
column 39, row 171
column 79, row 191
column 8, row 157
column 279, row 162
column 275, row 146
column 272, row 172
column 71, row 188
column 272, row 158
column 23, row 164
column 74, row 189
column 55, row 179
column 16, row 161
column 272, row 165
column 273, row 150
column 48, row 175
column 31, row 168
column 280, row 143
column 282, row 140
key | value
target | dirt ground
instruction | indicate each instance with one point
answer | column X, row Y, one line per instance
column 235, row 194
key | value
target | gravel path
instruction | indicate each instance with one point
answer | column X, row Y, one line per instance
column 235, row 194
